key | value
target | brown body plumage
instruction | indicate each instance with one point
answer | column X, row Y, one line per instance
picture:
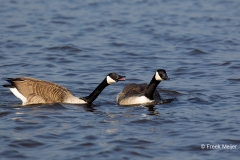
column 34, row 91
column 39, row 91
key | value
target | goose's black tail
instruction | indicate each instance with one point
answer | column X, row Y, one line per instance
column 10, row 80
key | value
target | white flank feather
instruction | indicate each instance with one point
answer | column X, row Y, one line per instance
column 18, row 95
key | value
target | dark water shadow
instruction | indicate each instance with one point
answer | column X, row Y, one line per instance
column 55, row 106
column 152, row 110
column 47, row 106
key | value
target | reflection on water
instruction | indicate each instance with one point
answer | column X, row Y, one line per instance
column 77, row 43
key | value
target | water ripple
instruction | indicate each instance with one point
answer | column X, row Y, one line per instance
column 26, row 143
column 67, row 48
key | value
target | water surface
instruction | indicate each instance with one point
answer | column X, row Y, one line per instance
column 77, row 43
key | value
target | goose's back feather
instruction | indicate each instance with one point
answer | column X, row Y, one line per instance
column 40, row 91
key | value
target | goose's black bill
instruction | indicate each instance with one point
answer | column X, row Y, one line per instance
column 121, row 78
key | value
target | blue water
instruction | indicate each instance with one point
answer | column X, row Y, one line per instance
column 77, row 43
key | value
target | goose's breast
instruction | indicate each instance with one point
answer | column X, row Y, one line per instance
column 135, row 100
column 74, row 100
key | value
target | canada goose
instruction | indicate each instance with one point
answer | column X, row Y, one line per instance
column 134, row 94
column 34, row 91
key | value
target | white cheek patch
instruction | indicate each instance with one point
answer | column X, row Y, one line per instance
column 157, row 77
column 110, row 80
column 18, row 95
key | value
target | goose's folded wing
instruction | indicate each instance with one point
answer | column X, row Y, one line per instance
column 47, row 90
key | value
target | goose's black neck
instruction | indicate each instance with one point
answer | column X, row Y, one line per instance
column 151, row 88
column 89, row 99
